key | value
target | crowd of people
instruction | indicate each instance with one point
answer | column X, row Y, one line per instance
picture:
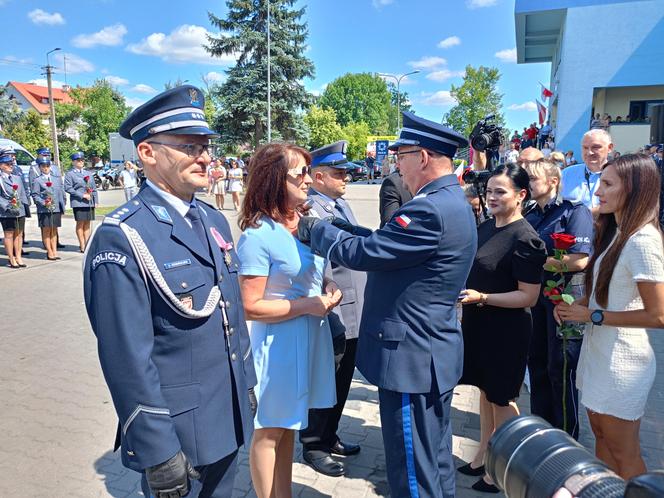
column 324, row 296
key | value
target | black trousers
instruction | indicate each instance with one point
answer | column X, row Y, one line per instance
column 321, row 433
column 418, row 443
column 545, row 366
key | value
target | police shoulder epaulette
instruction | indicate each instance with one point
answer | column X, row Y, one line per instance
column 122, row 213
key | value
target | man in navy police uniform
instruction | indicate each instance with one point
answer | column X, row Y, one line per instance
column 410, row 343
column 320, row 439
column 162, row 295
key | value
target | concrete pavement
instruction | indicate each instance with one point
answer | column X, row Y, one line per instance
column 58, row 422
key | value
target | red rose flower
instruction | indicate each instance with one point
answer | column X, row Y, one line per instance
column 49, row 184
column 15, row 187
column 563, row 241
column 86, row 178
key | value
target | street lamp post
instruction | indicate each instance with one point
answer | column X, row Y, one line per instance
column 51, row 106
column 398, row 78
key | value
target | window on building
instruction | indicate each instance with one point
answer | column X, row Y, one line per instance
column 639, row 110
column 44, row 100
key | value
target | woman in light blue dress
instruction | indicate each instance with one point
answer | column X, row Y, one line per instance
column 285, row 294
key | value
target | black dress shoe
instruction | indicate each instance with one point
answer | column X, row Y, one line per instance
column 60, row 246
column 344, row 449
column 485, row 487
column 469, row 471
column 322, row 462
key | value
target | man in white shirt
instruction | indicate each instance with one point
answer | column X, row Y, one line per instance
column 128, row 180
column 580, row 181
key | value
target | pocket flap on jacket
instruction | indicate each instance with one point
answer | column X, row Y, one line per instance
column 392, row 330
column 182, row 398
column 184, row 279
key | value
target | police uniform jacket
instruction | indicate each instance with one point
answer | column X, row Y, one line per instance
column 40, row 192
column 346, row 317
column 35, row 171
column 7, row 183
column 26, row 185
column 410, row 340
column 177, row 382
column 76, row 187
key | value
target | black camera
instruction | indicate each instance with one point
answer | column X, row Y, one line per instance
column 477, row 177
column 527, row 458
column 486, row 134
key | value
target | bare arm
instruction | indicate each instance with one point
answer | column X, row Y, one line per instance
column 524, row 297
column 651, row 316
column 256, row 307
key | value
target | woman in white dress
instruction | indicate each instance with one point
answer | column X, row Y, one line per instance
column 235, row 185
column 625, row 296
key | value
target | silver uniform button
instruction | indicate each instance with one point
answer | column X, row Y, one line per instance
column 231, row 331
column 380, row 335
column 228, row 304
column 184, row 285
column 130, row 453
column 233, row 357
column 221, row 304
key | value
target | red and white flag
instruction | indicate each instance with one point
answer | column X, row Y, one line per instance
column 461, row 169
column 541, row 110
column 546, row 93
column 403, row 221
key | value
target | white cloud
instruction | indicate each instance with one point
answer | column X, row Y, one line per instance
column 74, row 63
column 444, row 75
column 183, row 44
column 381, row 3
column 43, row 82
column 143, row 88
column 428, row 62
column 116, row 80
column 12, row 59
column 110, row 36
column 450, row 41
column 507, row 55
column 439, row 98
column 215, row 77
column 39, row 16
column 478, row 4
column 134, row 102
column 526, row 106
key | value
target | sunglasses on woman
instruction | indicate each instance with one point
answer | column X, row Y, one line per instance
column 300, row 172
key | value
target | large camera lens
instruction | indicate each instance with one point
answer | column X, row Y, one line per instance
column 527, row 458
column 481, row 141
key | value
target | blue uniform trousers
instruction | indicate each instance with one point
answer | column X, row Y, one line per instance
column 216, row 480
column 545, row 367
column 418, row 443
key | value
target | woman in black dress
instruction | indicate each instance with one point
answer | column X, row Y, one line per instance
column 503, row 283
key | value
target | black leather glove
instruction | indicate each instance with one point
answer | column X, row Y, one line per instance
column 346, row 226
column 304, row 227
column 171, row 478
column 253, row 402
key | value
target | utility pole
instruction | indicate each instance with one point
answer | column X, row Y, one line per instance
column 269, row 89
column 51, row 105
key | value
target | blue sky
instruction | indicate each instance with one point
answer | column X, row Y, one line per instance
column 140, row 45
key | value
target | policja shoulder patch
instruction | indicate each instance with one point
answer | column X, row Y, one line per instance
column 108, row 257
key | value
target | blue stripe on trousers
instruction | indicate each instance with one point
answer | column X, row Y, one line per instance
column 408, row 445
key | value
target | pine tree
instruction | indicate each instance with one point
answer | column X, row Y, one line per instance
column 242, row 99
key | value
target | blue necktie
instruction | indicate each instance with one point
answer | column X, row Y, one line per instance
column 195, row 218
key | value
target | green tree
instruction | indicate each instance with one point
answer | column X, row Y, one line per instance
column 10, row 113
column 360, row 97
column 30, row 131
column 242, row 99
column 356, row 134
column 476, row 98
column 95, row 112
column 323, row 127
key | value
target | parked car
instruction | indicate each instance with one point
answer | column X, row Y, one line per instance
column 356, row 170
column 23, row 158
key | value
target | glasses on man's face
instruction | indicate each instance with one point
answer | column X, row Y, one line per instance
column 192, row 150
column 401, row 154
column 300, row 171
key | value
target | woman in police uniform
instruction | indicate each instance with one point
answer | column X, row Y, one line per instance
column 12, row 211
column 49, row 197
column 82, row 197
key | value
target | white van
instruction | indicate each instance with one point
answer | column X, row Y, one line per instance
column 23, row 158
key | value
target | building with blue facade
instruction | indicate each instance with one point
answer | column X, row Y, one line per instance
column 607, row 58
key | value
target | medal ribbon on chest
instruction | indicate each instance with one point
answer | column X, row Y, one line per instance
column 225, row 246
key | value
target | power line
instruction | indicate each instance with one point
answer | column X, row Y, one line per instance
column 14, row 62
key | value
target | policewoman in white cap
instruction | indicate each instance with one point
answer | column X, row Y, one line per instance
column 179, row 366
column 80, row 186
column 410, row 343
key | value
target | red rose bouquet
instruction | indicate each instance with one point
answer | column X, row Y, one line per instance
column 48, row 199
column 15, row 201
column 88, row 186
column 558, row 290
